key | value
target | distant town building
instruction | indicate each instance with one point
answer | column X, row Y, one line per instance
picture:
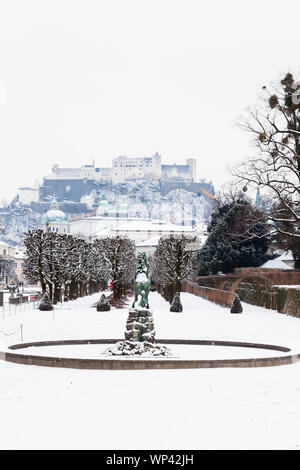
column 19, row 258
column 117, row 218
column 16, row 257
column 180, row 172
column 6, row 250
column 26, row 195
column 126, row 168
column 85, row 171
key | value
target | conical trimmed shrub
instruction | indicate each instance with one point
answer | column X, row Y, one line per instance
column 103, row 305
column 176, row 305
column 236, row 306
column 45, row 303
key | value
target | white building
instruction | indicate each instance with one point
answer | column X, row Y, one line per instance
column 186, row 173
column 139, row 230
column 89, row 227
column 85, row 171
column 126, row 168
column 147, row 246
column 26, row 195
column 17, row 256
column 55, row 220
column 7, row 250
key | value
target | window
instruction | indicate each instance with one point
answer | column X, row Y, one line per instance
column 4, row 252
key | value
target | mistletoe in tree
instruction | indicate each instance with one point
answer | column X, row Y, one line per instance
column 275, row 169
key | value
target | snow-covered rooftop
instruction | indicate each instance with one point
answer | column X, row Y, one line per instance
column 55, row 215
column 276, row 264
column 150, row 226
column 285, row 255
column 153, row 241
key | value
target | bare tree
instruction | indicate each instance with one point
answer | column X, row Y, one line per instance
column 275, row 127
column 174, row 261
column 229, row 193
column 117, row 254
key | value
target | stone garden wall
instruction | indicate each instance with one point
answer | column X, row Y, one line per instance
column 218, row 296
column 257, row 286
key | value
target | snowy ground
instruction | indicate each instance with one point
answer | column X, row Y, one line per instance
column 230, row 408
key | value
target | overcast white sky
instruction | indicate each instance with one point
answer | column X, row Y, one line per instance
column 84, row 79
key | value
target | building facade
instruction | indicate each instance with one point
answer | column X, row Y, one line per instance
column 12, row 273
column 186, row 173
column 86, row 171
column 126, row 168
column 26, row 195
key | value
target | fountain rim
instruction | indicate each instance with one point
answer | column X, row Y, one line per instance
column 117, row 363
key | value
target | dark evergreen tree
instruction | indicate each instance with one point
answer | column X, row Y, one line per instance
column 233, row 241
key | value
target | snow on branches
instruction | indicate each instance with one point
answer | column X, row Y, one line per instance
column 275, row 128
column 174, row 261
column 67, row 266
column 119, row 259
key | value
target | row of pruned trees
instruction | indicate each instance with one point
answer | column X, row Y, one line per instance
column 7, row 270
column 174, row 261
column 68, row 267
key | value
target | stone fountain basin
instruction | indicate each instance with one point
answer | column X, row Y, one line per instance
column 181, row 349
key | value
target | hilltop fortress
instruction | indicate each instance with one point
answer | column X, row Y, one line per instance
column 72, row 184
column 130, row 168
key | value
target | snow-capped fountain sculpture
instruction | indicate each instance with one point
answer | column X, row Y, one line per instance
column 140, row 333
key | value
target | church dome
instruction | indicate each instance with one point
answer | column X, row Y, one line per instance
column 54, row 215
column 103, row 206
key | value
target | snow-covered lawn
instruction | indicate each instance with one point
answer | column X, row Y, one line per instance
column 229, row 408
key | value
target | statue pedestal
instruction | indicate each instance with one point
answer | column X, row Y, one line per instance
column 139, row 337
column 140, row 325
